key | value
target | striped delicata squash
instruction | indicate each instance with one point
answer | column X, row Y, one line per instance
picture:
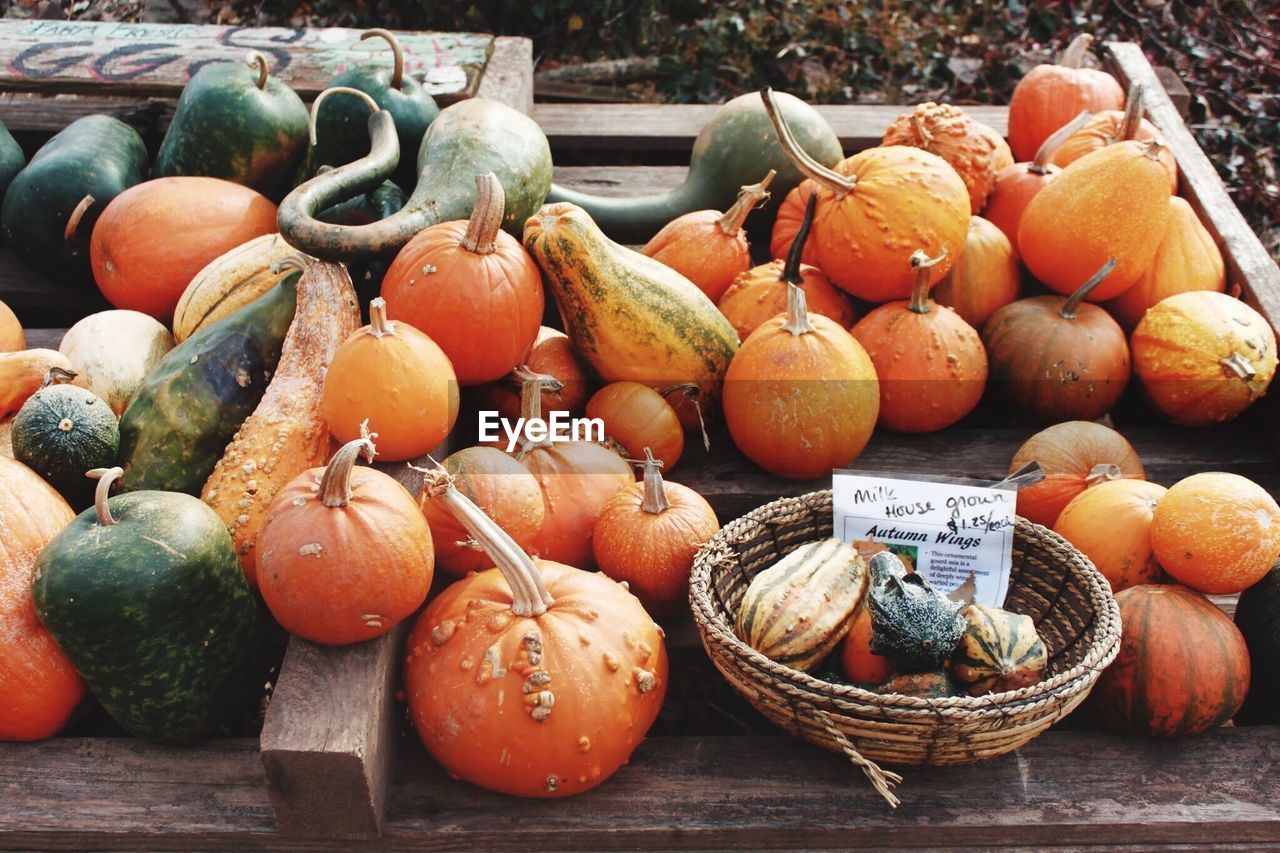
column 998, row 651
column 229, row 282
column 797, row 610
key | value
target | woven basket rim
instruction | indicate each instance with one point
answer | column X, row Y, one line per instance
column 1102, row 650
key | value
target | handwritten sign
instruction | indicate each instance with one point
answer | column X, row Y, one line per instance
column 948, row 530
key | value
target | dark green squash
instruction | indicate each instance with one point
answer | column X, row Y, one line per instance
column 1258, row 618
column 145, row 596
column 387, row 198
column 468, row 138
column 11, row 158
column 912, row 624
column 735, row 148
column 190, row 406
column 236, row 122
column 342, row 121
column 61, row 432
column 51, row 206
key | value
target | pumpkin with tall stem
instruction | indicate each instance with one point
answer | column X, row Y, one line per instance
column 1111, row 126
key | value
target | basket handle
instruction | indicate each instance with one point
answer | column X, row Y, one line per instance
column 882, row 780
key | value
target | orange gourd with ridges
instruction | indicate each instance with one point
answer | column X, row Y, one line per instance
column 985, row 278
column 1075, row 455
column 973, row 149
column 1050, row 95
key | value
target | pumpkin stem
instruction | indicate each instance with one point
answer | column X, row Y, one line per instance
column 486, row 216
column 339, row 90
column 1044, row 154
column 1132, row 115
column 691, row 393
column 1073, row 56
column 791, row 269
column 749, row 197
column 809, row 167
column 73, row 221
column 1101, row 473
column 531, row 386
column 397, row 55
column 335, row 485
column 529, row 595
column 1068, row 309
column 106, row 477
column 1235, row 364
column 1151, row 149
column 797, row 312
column 379, row 325
column 254, row 58
column 922, row 264
column 655, row 496
column 58, row 375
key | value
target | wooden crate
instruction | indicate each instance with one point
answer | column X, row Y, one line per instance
column 337, row 761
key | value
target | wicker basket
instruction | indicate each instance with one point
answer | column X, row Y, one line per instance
column 1051, row 581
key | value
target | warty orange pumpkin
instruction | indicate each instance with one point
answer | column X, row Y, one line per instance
column 976, row 151
column 1111, row 126
column 1075, row 455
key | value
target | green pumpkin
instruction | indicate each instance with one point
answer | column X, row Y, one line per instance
column 11, row 158
column 61, row 432
column 95, row 157
column 145, row 596
column 236, row 122
column 191, row 405
column 1258, row 618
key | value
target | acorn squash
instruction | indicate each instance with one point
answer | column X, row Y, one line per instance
column 999, row 651
column 63, row 431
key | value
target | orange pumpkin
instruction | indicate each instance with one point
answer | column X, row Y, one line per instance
column 875, row 208
column 1187, row 259
column 1111, row 204
column 12, row 338
column 1049, row 95
column 1203, row 357
column 985, row 278
column 858, row 663
column 638, row 417
column 1111, row 126
column 801, row 396
column 552, row 354
column 647, row 536
column 1075, row 456
column 930, row 362
column 395, row 378
column 1110, row 524
column 787, row 223
column 709, row 247
column 1183, row 667
column 154, row 237
column 1215, row 532
column 346, row 561
column 534, row 679
column 38, row 685
column 1057, row 358
column 471, row 287
column 976, row 151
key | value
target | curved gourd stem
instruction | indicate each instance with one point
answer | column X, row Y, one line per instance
column 1068, row 309
column 397, row 54
column 1132, row 119
column 58, row 375
column 365, row 97
column 529, row 595
column 791, row 269
column 691, row 393
column 106, row 477
column 1073, row 56
column 486, row 216
column 255, row 59
column 335, row 485
column 749, row 197
column 379, row 325
column 1236, row 365
column 1103, row 472
column 655, row 496
column 73, row 221
column 809, row 167
column 922, row 264
column 797, row 312
column 531, row 386
column 1044, row 154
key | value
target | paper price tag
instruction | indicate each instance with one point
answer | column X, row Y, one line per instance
column 948, row 530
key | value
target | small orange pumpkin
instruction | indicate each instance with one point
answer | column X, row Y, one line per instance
column 12, row 337
column 930, row 362
column 1111, row 126
column 395, row 378
column 858, row 663
column 976, row 151
column 985, row 278
column 1110, row 523
column 709, row 247
column 648, row 534
column 787, row 223
column 552, row 354
column 1075, row 456
column 639, row 418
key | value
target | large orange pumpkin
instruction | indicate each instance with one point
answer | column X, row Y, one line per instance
column 1216, row 532
column 38, row 686
column 976, row 151
column 1187, row 259
column 470, row 287
column 1111, row 126
column 394, row 378
column 1110, row 523
column 985, row 278
column 639, row 418
column 12, row 338
column 787, row 224
column 877, row 207
column 648, row 534
column 1050, row 95
column 1075, row 456
column 1057, row 358
column 1111, row 204
column 154, row 237
column 534, row 678
column 931, row 364
column 1203, row 357
column 1183, row 667
column 344, row 554
column 709, row 247
column 552, row 354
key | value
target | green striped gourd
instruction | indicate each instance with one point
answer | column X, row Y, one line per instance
column 795, row 611
column 998, row 651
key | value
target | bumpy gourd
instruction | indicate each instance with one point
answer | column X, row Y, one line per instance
column 976, row 151
column 795, row 611
column 999, row 651
column 912, row 624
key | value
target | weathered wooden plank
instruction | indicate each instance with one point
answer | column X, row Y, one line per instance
column 620, row 180
column 508, row 77
column 39, row 301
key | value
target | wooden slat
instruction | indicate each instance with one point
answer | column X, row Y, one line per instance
column 620, row 180
column 508, row 77
column 39, row 301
